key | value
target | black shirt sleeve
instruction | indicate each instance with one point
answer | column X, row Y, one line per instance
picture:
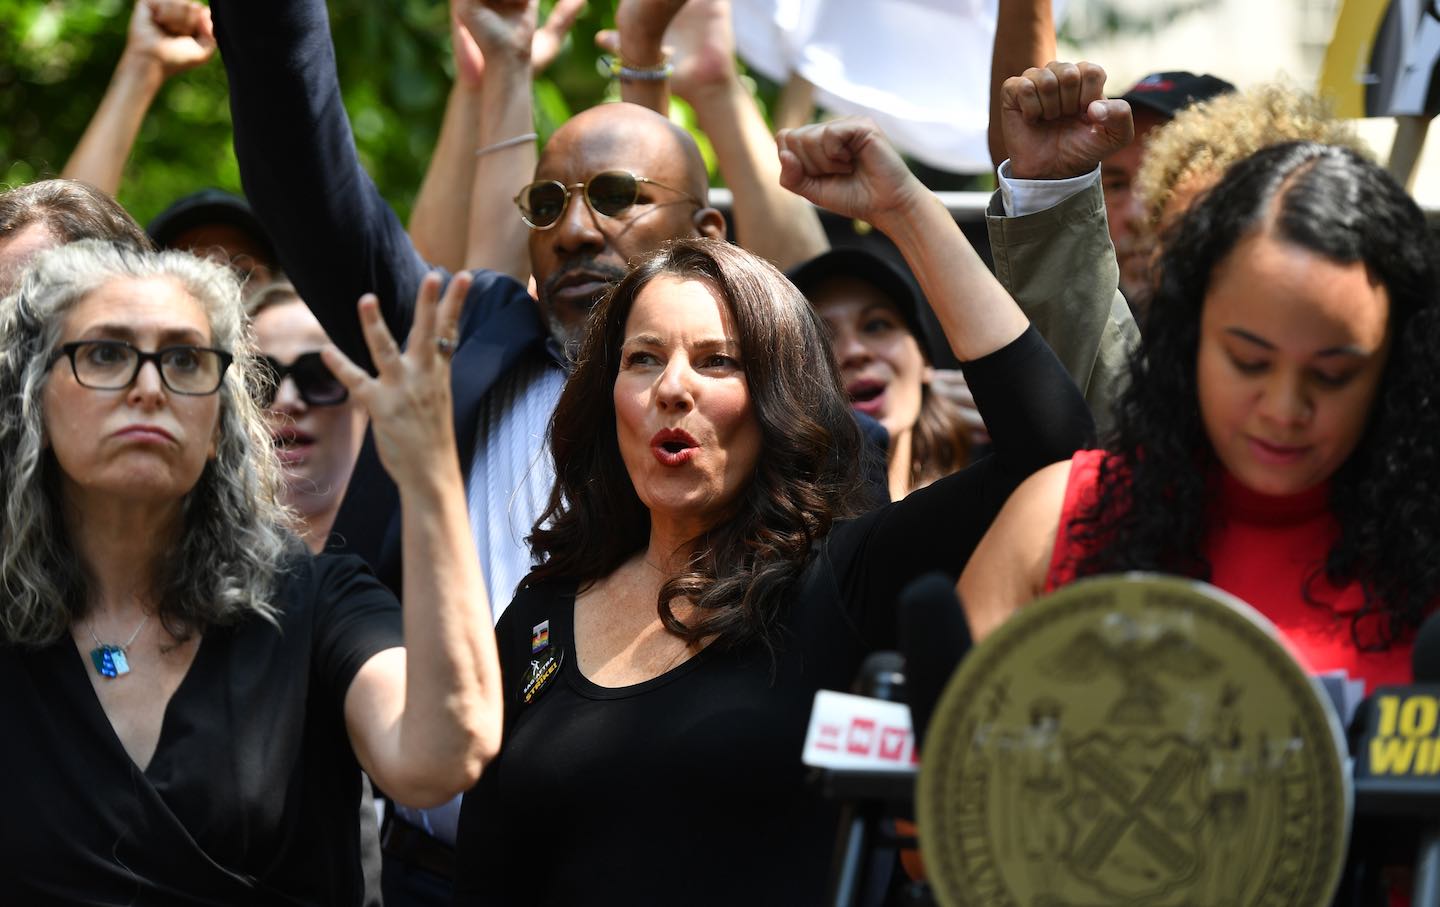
column 336, row 237
column 355, row 617
column 1035, row 415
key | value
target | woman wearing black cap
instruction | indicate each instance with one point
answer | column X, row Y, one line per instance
column 884, row 352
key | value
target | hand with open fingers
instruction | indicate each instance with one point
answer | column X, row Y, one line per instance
column 1058, row 123
column 176, row 34
column 409, row 398
column 499, row 27
column 846, row 166
column 550, row 36
column 544, row 46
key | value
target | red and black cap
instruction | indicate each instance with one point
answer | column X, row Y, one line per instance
column 1168, row 93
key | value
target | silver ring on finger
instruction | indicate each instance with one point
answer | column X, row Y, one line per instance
column 446, row 345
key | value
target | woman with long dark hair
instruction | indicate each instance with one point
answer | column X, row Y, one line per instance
column 702, row 568
column 1278, row 437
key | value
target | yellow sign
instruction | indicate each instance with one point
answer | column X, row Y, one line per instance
column 1347, row 68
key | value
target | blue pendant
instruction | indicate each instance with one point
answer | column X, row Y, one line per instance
column 109, row 661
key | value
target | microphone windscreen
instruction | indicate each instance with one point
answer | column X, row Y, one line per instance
column 1425, row 659
column 882, row 676
column 933, row 637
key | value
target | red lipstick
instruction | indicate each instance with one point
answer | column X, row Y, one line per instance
column 673, row 446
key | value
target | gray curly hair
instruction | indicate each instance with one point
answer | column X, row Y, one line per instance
column 236, row 531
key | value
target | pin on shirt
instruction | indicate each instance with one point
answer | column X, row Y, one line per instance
column 544, row 666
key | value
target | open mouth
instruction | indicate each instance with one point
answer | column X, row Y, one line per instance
column 673, row 447
column 292, row 445
column 866, row 395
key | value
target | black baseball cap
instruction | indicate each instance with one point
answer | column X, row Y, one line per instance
column 208, row 206
column 863, row 265
column 1168, row 93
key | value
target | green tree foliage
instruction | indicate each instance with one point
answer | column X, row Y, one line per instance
column 56, row 58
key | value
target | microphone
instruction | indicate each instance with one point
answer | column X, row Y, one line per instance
column 934, row 637
column 881, row 676
column 1397, row 757
column 862, row 744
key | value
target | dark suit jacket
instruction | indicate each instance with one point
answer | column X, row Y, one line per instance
column 337, row 238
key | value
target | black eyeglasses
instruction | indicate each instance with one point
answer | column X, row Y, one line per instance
column 111, row 365
column 542, row 203
column 317, row 385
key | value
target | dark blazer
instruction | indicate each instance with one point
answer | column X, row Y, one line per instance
column 337, row 238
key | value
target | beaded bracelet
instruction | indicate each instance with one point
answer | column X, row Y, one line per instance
column 614, row 68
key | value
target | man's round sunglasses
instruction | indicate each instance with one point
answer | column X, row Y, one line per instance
column 317, row 385
column 111, row 365
column 542, row 203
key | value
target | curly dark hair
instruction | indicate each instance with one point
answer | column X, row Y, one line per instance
column 1150, row 509
column 806, row 477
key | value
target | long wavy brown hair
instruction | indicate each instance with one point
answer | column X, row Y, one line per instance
column 806, row 477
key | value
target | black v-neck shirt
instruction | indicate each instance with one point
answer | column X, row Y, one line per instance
column 688, row 788
column 252, row 796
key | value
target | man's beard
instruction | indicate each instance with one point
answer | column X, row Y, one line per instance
column 570, row 335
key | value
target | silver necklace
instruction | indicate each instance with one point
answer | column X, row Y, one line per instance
column 110, row 661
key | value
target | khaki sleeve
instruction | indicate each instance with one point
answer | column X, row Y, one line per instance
column 1060, row 267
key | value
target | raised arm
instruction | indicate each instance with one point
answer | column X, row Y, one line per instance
column 504, row 31
column 425, row 719
column 336, row 237
column 1047, row 226
column 769, row 221
column 441, row 219
column 1033, row 410
column 166, row 37
column 641, row 25
column 1024, row 38
column 439, row 222
column 1035, row 414
column 849, row 167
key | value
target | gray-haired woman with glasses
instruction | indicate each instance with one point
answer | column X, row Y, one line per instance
column 189, row 694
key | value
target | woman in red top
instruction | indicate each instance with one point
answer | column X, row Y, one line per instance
column 1279, row 434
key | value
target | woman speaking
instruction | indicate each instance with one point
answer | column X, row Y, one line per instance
column 702, row 569
column 189, row 694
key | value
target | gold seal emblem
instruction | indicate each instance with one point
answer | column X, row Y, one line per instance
column 1136, row 740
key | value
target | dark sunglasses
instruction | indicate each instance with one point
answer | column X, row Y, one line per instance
column 542, row 203
column 317, row 385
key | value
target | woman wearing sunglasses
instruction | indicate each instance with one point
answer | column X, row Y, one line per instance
column 195, row 694
column 317, row 429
